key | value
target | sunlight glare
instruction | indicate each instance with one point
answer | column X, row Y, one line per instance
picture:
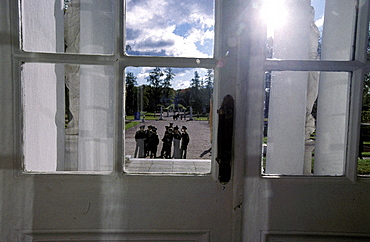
column 275, row 14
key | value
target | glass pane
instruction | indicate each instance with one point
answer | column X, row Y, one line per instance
column 168, row 126
column 67, row 117
column 305, row 136
column 310, row 30
column 364, row 142
column 68, row 26
column 170, row 28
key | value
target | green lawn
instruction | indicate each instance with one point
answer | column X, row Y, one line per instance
column 131, row 124
column 363, row 167
column 364, row 164
column 201, row 118
column 147, row 117
column 152, row 116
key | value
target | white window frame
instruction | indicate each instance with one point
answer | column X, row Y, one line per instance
column 120, row 60
column 357, row 67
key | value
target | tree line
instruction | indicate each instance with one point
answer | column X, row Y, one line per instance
column 158, row 92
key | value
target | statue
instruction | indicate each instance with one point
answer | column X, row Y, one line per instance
column 72, row 72
column 312, row 92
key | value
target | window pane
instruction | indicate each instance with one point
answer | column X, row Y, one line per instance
column 72, row 26
column 310, row 30
column 178, row 98
column 170, row 28
column 306, row 135
column 364, row 146
column 67, row 117
column 364, row 139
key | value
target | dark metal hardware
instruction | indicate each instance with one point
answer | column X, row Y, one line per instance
column 225, row 138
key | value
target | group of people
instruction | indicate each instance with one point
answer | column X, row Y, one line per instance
column 147, row 142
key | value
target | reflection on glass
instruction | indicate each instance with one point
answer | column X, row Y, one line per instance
column 170, row 28
column 309, row 30
column 168, row 126
column 76, row 26
column 304, row 136
column 68, row 117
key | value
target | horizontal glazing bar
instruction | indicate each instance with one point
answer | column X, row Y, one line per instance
column 306, row 65
column 64, row 58
column 110, row 60
column 170, row 61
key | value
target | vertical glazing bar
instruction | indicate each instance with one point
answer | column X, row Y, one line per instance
column 357, row 89
column 215, row 101
column 119, row 120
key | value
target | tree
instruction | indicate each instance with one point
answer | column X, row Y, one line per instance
column 208, row 89
column 195, row 82
column 195, row 94
column 169, row 77
column 155, row 91
column 131, row 93
column 366, row 88
column 166, row 85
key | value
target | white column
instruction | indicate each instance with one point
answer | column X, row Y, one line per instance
column 97, row 26
column 43, row 90
column 96, row 88
column 39, row 105
column 96, row 119
column 42, row 27
column 332, row 109
column 287, row 109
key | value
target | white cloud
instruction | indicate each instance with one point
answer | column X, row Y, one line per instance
column 181, row 85
column 170, row 27
column 320, row 22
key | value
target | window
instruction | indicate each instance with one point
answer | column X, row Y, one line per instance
column 70, row 129
column 312, row 87
column 174, row 101
column 313, row 128
column 74, row 58
column 363, row 156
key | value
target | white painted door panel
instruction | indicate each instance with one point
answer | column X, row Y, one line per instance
column 131, row 207
column 304, row 207
column 128, row 207
column 88, row 206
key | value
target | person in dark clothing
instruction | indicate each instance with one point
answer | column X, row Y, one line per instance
column 148, row 134
column 140, row 142
column 184, row 142
column 153, row 143
column 176, row 143
column 168, row 132
column 162, row 151
column 167, row 142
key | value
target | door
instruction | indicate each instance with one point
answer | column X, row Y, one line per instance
column 294, row 171
column 64, row 169
column 303, row 94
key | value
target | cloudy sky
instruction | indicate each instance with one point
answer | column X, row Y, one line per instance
column 170, row 28
column 176, row 28
column 319, row 6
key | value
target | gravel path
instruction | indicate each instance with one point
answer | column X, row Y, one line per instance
column 199, row 133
